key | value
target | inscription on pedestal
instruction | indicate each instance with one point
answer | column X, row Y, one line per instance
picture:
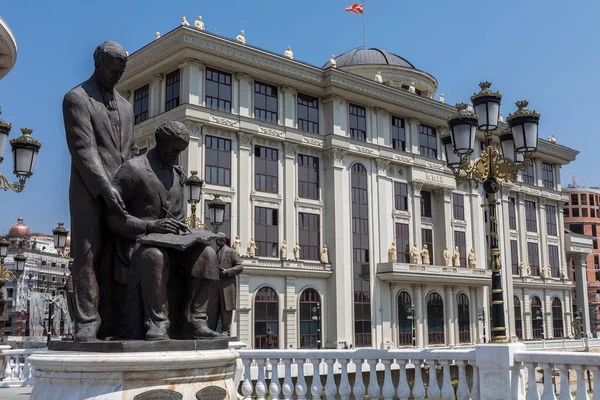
column 211, row 393
column 159, row 394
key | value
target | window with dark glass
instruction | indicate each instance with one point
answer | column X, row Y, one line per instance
column 309, row 236
column 575, row 212
column 533, row 256
column 518, row 317
column 557, row 318
column 566, row 211
column 512, row 213
column 553, row 260
column 592, row 213
column 530, row 216
column 537, row 318
column 460, row 241
column 400, row 196
column 574, row 199
column 425, row 204
column 591, row 199
column 427, row 240
column 464, row 322
column 458, row 206
column 584, row 212
column 308, row 113
column 360, row 257
column 218, row 90
column 140, row 104
column 427, row 141
column 310, row 319
column 226, row 227
column 358, row 123
column 398, row 134
column 266, row 231
column 435, row 319
column 596, row 267
column 576, row 228
column 548, row 175
column 265, row 102
column 266, row 315
column 405, row 320
column 514, row 257
column 528, row 175
column 218, row 161
column 403, row 243
column 266, row 169
column 172, row 90
column 308, row 177
column 551, row 220
column 594, row 230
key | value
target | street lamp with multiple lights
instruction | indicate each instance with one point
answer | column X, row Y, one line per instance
column 19, row 259
column 492, row 168
column 216, row 207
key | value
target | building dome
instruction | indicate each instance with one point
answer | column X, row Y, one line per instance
column 371, row 57
column 19, row 230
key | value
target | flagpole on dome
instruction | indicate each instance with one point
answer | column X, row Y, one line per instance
column 364, row 25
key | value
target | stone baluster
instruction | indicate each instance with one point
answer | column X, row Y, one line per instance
column 359, row 389
column 316, row 388
column 548, row 392
column 403, row 388
column 26, row 368
column 274, row 387
column 596, row 372
column 532, row 392
column 330, row 387
column 517, row 383
column 247, row 388
column 301, row 388
column 581, row 392
column 7, row 370
column 261, row 386
column 345, row 389
column 418, row 390
column 447, row 391
column 462, row 391
column 373, row 388
column 387, row 390
column 18, row 368
column 433, row 388
column 288, row 385
column 565, row 387
column 475, row 393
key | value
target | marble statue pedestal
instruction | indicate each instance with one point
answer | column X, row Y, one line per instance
column 195, row 374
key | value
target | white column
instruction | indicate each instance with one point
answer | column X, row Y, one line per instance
column 412, row 144
column 444, row 225
column 384, row 136
column 192, row 82
column 420, row 313
column 245, row 188
column 561, row 240
column 580, row 267
column 289, row 190
column 568, row 313
column 526, row 307
column 522, row 230
column 543, row 235
column 547, row 321
column 477, row 227
column 507, row 277
column 246, row 95
column 155, row 93
column 290, row 312
column 416, row 214
column 244, row 327
column 473, row 316
column 289, row 106
column 384, row 226
column 336, row 115
column 449, row 316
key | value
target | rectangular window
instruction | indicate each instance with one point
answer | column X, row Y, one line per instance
column 584, row 200
column 218, row 161
column 266, row 169
column 592, row 213
column 597, row 267
column 218, row 90
column 265, row 102
column 574, row 199
column 226, row 227
column 309, row 230
column 172, row 90
column 460, row 241
column 584, row 212
column 308, row 177
column 528, row 176
column 400, row 196
column 575, row 212
column 553, row 261
column 591, row 200
column 398, row 134
column 576, row 228
column 266, row 232
column 358, row 123
column 512, row 213
column 530, row 216
column 551, row 220
column 308, row 113
column 548, row 175
column 514, row 257
column 533, row 256
column 403, row 243
column 566, row 211
column 427, row 240
column 140, row 104
column 425, row 204
column 458, row 206
column 427, row 141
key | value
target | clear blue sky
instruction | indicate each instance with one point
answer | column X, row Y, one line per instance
column 545, row 51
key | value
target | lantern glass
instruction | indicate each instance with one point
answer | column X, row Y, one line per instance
column 508, row 147
column 525, row 134
column 3, row 140
column 20, row 262
column 195, row 192
column 216, row 212
column 452, row 159
column 4, row 247
column 24, row 158
column 489, row 113
column 463, row 137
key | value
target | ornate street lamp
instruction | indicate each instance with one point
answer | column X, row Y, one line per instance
column 25, row 150
column 491, row 169
column 20, row 259
column 194, row 186
column 60, row 234
column 216, row 212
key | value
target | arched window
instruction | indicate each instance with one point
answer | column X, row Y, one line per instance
column 537, row 318
column 435, row 319
column 310, row 319
column 405, row 320
column 360, row 257
column 266, row 315
column 557, row 318
column 518, row 318
column 464, row 320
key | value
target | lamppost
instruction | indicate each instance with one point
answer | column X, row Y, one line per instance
column 25, row 150
column 216, row 212
column 194, row 186
column 317, row 317
column 60, row 234
column 19, row 259
column 481, row 317
column 491, row 169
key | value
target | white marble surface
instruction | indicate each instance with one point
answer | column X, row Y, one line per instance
column 79, row 375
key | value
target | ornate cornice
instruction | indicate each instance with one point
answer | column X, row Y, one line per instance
column 290, row 150
column 333, row 99
column 290, row 90
column 413, row 121
column 416, row 187
column 158, row 77
column 244, row 77
column 382, row 112
column 195, row 129
column 334, row 158
column 192, row 61
column 245, row 140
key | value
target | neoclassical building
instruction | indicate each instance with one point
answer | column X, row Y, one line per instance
column 349, row 156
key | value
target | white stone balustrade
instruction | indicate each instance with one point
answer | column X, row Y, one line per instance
column 15, row 369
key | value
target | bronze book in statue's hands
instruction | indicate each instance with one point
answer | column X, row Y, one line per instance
column 178, row 242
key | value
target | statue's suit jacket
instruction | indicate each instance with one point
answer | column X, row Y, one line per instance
column 229, row 260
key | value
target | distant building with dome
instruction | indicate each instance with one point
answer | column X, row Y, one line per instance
column 343, row 160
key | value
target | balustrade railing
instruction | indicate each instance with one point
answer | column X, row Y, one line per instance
column 15, row 369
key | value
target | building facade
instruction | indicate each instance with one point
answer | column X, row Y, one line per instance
column 348, row 157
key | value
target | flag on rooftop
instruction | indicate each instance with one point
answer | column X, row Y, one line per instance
column 356, row 8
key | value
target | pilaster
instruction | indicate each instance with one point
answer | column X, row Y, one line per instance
column 246, row 91
column 192, row 82
column 473, row 315
column 526, row 306
column 477, row 227
column 543, row 235
column 336, row 113
column 416, row 214
column 547, row 307
column 290, row 105
column 561, row 241
column 568, row 313
column 444, row 225
column 420, row 323
column 580, row 267
column 245, row 169
column 449, row 300
column 383, row 136
column 155, row 93
column 505, row 254
column 413, row 133
column 522, row 230
column 244, row 332
column 290, row 312
column 289, row 189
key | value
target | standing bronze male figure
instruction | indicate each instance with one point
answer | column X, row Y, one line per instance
column 99, row 129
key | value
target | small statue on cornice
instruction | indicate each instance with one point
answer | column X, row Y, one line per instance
column 392, row 254
column 325, row 255
column 237, row 244
column 283, row 250
column 184, row 21
column 425, row 255
column 332, row 62
column 442, row 99
column 241, row 38
column 456, row 257
column 411, row 88
column 198, row 24
column 414, row 254
column 471, row 259
column 522, row 270
column 251, row 248
column 157, row 35
column 447, row 260
column 543, row 272
column 297, row 252
column 470, row 107
column 378, row 77
column 563, row 274
column 289, row 53
column 528, row 269
column 552, row 139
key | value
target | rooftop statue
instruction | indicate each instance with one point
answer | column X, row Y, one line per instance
column 198, row 24
column 288, row 53
column 241, row 38
column 184, row 21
